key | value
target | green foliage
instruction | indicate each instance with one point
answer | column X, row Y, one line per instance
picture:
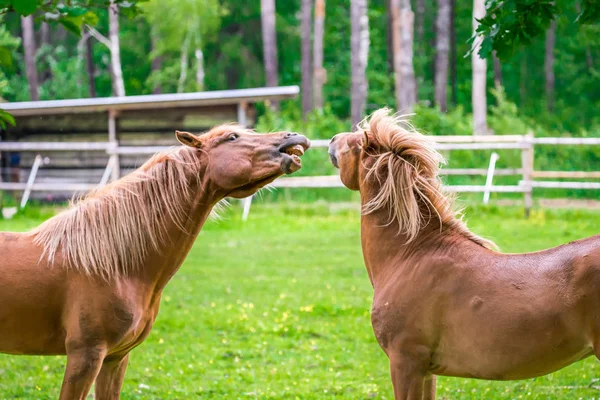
column 511, row 24
column 504, row 117
column 68, row 74
column 180, row 27
column 277, row 307
column 433, row 121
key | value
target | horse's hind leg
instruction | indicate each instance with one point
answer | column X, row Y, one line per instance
column 83, row 365
column 110, row 378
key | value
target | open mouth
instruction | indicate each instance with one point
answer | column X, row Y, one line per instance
column 293, row 150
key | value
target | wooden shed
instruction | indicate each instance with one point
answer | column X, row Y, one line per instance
column 148, row 120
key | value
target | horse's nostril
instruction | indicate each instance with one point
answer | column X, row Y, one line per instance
column 289, row 135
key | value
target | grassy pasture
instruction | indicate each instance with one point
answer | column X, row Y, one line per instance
column 278, row 307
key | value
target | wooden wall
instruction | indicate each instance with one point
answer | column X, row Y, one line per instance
column 135, row 128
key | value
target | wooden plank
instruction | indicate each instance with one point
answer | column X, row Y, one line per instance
column 54, row 146
column 480, row 171
column 566, row 174
column 565, row 185
column 50, row 187
column 468, row 143
column 565, row 141
column 478, row 189
column 527, row 159
column 309, row 182
column 481, row 146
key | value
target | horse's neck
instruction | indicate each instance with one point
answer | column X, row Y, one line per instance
column 385, row 249
column 165, row 261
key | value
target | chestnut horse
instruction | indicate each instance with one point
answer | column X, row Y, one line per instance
column 87, row 283
column 445, row 301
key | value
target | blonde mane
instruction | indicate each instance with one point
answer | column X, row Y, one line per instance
column 110, row 231
column 406, row 166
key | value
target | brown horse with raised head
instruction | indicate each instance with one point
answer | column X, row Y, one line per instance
column 87, row 283
column 445, row 302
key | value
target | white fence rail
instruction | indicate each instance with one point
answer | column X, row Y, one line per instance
column 524, row 143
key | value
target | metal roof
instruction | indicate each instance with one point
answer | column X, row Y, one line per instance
column 100, row 104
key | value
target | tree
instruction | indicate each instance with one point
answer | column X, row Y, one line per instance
column 90, row 67
column 497, row 71
column 402, row 42
column 267, row 13
column 112, row 42
column 479, row 65
column 359, row 46
column 115, row 51
column 319, row 73
column 180, row 30
column 549, row 65
column 305, row 32
column 30, row 50
column 442, row 51
column 509, row 25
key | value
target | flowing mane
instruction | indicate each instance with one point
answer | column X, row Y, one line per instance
column 110, row 231
column 406, row 165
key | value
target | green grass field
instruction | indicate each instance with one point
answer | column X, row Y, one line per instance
column 278, row 307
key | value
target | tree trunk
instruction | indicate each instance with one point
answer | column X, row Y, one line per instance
column 199, row 69
column 155, row 65
column 588, row 53
column 319, row 73
column 183, row 63
column 453, row 54
column 523, row 80
column 497, row 71
column 30, row 49
column 115, row 51
column 549, row 65
column 306, row 25
column 420, row 25
column 44, row 34
column 442, row 51
column 478, row 95
column 389, row 37
column 90, row 67
column 404, row 73
column 269, row 37
column 359, row 43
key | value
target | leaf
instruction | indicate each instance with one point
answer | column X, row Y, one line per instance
column 6, row 59
column 70, row 25
column 6, row 117
column 25, row 7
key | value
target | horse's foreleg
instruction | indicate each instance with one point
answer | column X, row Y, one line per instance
column 110, row 378
column 408, row 378
column 429, row 388
column 83, row 365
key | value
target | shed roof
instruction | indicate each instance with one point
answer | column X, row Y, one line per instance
column 196, row 99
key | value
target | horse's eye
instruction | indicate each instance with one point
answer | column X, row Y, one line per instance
column 232, row 137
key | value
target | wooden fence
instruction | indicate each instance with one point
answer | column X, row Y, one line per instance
column 524, row 143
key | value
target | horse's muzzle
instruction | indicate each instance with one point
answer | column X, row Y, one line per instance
column 292, row 148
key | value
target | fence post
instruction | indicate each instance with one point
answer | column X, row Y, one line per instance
column 527, row 157
column 490, row 177
column 114, row 140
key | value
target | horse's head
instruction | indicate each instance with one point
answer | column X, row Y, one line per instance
column 345, row 152
column 240, row 162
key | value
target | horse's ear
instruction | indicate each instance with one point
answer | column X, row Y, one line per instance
column 365, row 140
column 188, row 139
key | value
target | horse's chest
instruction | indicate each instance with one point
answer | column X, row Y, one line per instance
column 388, row 319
